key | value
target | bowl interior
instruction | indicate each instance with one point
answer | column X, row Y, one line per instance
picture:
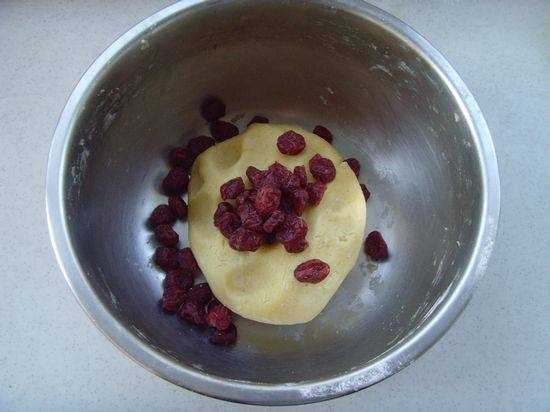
column 304, row 63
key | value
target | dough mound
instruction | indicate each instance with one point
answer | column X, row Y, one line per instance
column 261, row 285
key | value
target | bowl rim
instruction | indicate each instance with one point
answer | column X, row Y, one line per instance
column 441, row 317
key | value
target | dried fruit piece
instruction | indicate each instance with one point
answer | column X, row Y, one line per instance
column 225, row 337
column 245, row 240
column 172, row 298
column 286, row 206
column 312, row 271
column 258, row 119
column 291, row 143
column 179, row 206
column 274, row 221
column 292, row 229
column 267, row 199
column 176, row 181
column 218, row 316
column 228, row 223
column 366, row 192
column 299, row 198
column 323, row 132
column 222, row 208
column 244, row 196
column 354, row 165
column 290, row 184
column 296, row 247
column 316, row 191
column 193, row 312
column 166, row 258
column 300, row 171
column 223, row 130
column 162, row 215
column 249, row 216
column 280, row 172
column 212, row 109
column 375, row 246
column 200, row 293
column 180, row 157
column 179, row 278
column 199, row 144
column 232, row 188
column 186, row 260
column 166, row 235
column 322, row 168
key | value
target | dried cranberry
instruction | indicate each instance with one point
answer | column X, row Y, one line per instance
column 222, row 208
column 267, row 199
column 299, row 198
column 375, row 246
column 166, row 235
column 179, row 206
column 193, row 312
column 200, row 293
column 186, row 260
column 274, row 221
column 199, row 144
column 292, row 229
column 300, row 171
column 180, row 157
column 218, row 316
column 291, row 143
column 162, row 215
column 354, row 165
column 323, row 132
column 290, row 184
column 245, row 240
column 166, row 258
column 212, row 109
column 254, row 175
column 312, row 271
column 176, row 181
column 296, row 247
column 258, row 119
column 280, row 171
column 232, row 188
column 244, row 196
column 225, row 337
column 249, row 216
column 172, row 298
column 316, row 191
column 322, row 168
column 286, row 205
column 366, row 192
column 228, row 223
column 179, row 278
column 223, row 130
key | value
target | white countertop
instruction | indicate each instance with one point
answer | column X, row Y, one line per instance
column 496, row 356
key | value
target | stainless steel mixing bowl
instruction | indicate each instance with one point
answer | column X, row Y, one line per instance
column 391, row 100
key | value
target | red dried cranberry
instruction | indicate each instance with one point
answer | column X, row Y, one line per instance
column 218, row 316
column 222, row 208
column 280, row 171
column 162, row 215
column 258, row 119
column 223, row 130
column 291, row 143
column 232, row 188
column 249, row 216
column 296, row 247
column 172, row 298
column 176, row 181
column 323, row 132
column 179, row 206
column 322, row 168
column 254, row 175
column 200, row 293
column 300, row 171
column 199, row 144
column 274, row 221
column 245, row 240
column 286, row 205
column 290, row 184
column 366, row 192
column 228, row 223
column 225, row 337
column 316, row 191
column 292, row 229
column 186, row 260
column 193, row 312
column 180, row 157
column 267, row 199
column 166, row 235
column 166, row 258
column 299, row 198
column 212, row 109
column 244, row 196
column 375, row 246
column 354, row 165
column 312, row 271
column 179, row 278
